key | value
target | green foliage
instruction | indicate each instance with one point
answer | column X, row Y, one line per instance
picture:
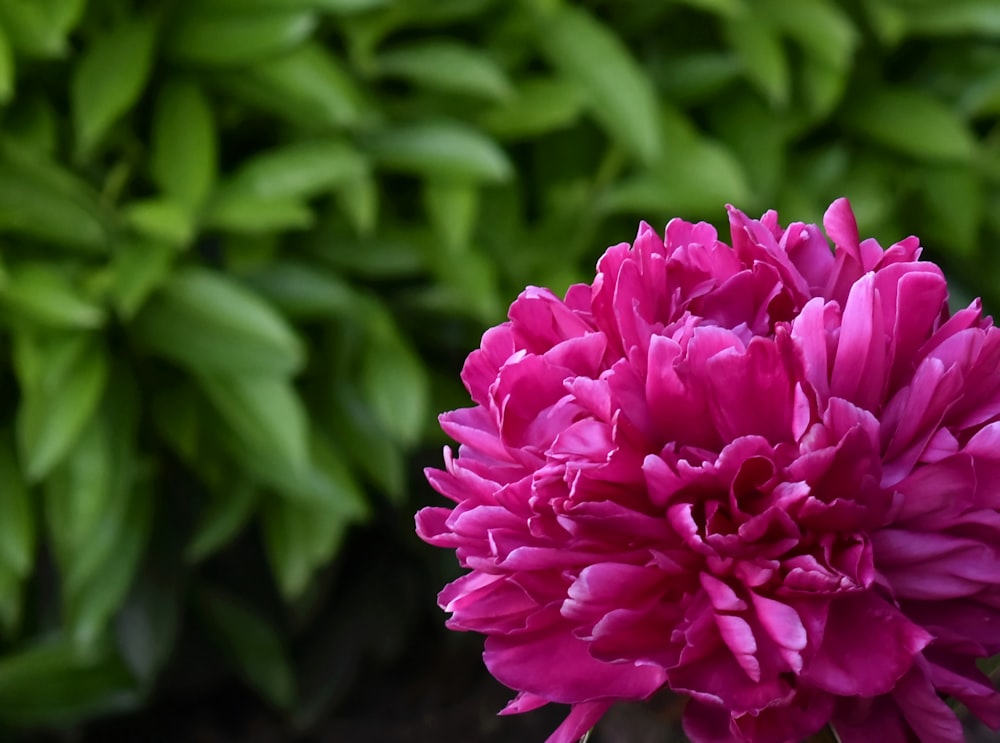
column 245, row 245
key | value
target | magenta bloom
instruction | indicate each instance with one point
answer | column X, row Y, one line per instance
column 765, row 476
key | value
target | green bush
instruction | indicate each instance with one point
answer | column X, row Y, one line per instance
column 246, row 243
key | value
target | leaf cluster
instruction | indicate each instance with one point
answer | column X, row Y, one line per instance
column 245, row 245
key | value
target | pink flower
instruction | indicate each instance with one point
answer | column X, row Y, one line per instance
column 765, row 476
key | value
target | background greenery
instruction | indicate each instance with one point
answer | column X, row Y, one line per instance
column 246, row 244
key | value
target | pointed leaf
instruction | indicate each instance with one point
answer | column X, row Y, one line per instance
column 619, row 95
column 184, row 150
column 54, row 683
column 358, row 200
column 452, row 207
column 251, row 644
column 265, row 414
column 146, row 626
column 912, row 122
column 17, row 526
column 39, row 199
column 299, row 539
column 31, row 122
column 57, row 403
column 539, row 106
column 161, row 219
column 759, row 47
column 245, row 214
column 39, row 294
column 7, row 68
column 11, row 602
column 216, row 37
column 446, row 65
column 309, row 85
column 94, row 604
column 393, row 381
column 109, row 77
column 360, row 435
column 139, row 267
column 956, row 18
column 300, row 170
column 304, row 291
column 209, row 323
column 440, row 149
column 820, row 26
column 32, row 31
column 224, row 517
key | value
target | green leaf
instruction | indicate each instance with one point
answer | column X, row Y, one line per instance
column 912, row 122
column 308, row 85
column 757, row 134
column 210, row 324
column 304, row 291
column 283, row 525
column 30, row 121
column 823, row 86
column 146, row 626
column 244, row 214
column 298, row 171
column 394, row 254
column 466, row 287
column 94, row 603
column 299, row 538
column 213, row 36
column 178, row 420
column 725, row 8
column 39, row 199
column 7, row 68
column 888, row 21
column 139, row 267
column 63, row 15
column 80, row 498
column 695, row 177
column 446, row 65
column 695, row 181
column 393, row 380
column 55, row 683
column 325, row 481
column 327, row 6
column 759, row 47
column 956, row 18
column 439, row 149
column 183, row 158
column 11, row 602
column 39, row 294
column 824, row 31
column 452, row 207
column 17, row 527
column 363, row 438
column 98, row 516
column 265, row 414
column 109, row 77
column 224, row 517
column 358, row 200
column 954, row 205
column 698, row 76
column 162, row 220
column 61, row 380
column 618, row 94
column 32, row 32
column 539, row 106
column 251, row 644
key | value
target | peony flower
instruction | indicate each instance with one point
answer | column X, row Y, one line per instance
column 764, row 476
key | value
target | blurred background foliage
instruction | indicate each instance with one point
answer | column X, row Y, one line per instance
column 245, row 246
